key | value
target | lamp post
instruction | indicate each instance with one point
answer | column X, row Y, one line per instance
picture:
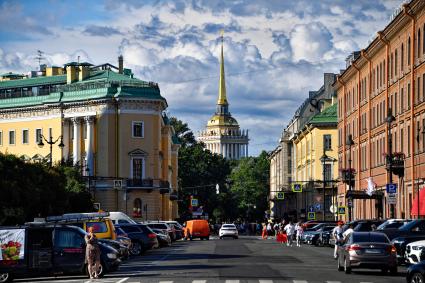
column 51, row 143
column 350, row 143
column 390, row 119
column 324, row 158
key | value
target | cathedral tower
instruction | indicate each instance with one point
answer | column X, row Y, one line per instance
column 222, row 134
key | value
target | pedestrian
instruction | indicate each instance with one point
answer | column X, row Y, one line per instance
column 348, row 232
column 337, row 235
column 264, row 233
column 276, row 228
column 92, row 254
column 269, row 229
column 290, row 230
column 373, row 227
column 299, row 230
column 258, row 228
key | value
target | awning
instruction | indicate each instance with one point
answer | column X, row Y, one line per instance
column 414, row 210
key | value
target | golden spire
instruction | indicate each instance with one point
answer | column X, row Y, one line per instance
column 222, row 99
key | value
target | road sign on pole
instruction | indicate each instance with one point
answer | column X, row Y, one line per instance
column 311, row 216
column 280, row 195
column 391, row 188
column 392, row 198
column 297, row 188
column 350, row 202
column 195, row 202
column 342, row 210
column 117, row 184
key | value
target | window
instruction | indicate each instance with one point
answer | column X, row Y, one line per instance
column 98, row 226
column 328, row 172
column 68, row 239
column 12, row 137
column 408, row 96
column 418, row 94
column 138, row 129
column 25, row 136
column 137, row 207
column 402, row 100
column 138, row 168
column 402, row 57
column 50, row 132
column 419, row 42
column 408, row 52
column 38, row 133
column 395, row 62
column 1, row 138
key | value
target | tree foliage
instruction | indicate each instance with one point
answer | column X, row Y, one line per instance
column 29, row 190
column 249, row 183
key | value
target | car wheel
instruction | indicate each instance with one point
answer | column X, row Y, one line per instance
column 347, row 269
column 136, row 249
column 221, row 238
column 236, row 237
column 340, row 267
column 417, row 278
column 208, row 238
column 5, row 277
column 393, row 270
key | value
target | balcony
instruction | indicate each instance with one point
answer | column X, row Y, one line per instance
column 348, row 176
column 140, row 183
column 149, row 184
column 395, row 163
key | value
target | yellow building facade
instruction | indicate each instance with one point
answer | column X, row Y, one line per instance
column 316, row 156
column 111, row 125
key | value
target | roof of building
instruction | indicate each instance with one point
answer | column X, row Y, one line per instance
column 222, row 120
column 327, row 116
column 97, row 85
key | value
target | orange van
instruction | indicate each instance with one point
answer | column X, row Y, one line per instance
column 197, row 229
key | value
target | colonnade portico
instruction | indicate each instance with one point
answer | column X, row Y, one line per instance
column 228, row 150
column 77, row 155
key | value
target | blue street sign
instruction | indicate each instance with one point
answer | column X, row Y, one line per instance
column 297, row 188
column 311, row 208
column 391, row 188
column 341, row 210
column 317, row 206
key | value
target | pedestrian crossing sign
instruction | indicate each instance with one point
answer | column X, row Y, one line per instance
column 280, row 195
column 341, row 210
column 311, row 216
column 297, row 188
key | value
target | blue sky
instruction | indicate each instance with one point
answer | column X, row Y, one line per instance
column 275, row 50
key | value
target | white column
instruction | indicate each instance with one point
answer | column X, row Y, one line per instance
column 246, row 150
column 226, row 150
column 231, row 151
column 238, row 151
column 76, row 142
column 90, row 144
column 65, row 139
column 222, row 149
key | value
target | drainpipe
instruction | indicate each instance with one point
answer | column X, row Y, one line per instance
column 412, row 98
column 358, row 130
column 369, row 123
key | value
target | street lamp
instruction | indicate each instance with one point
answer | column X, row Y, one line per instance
column 51, row 143
column 390, row 119
column 324, row 158
column 350, row 143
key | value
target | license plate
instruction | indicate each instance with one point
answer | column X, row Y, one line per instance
column 373, row 251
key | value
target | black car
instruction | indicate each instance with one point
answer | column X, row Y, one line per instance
column 142, row 237
column 123, row 251
column 324, row 236
column 164, row 227
column 416, row 273
column 366, row 225
column 412, row 228
column 52, row 249
column 312, row 237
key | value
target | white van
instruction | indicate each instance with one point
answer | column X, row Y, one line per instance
column 121, row 218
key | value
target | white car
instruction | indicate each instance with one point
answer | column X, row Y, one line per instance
column 414, row 250
column 228, row 230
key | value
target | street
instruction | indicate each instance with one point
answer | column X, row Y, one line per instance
column 248, row 259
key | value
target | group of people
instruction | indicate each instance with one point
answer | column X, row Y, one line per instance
column 340, row 236
column 284, row 232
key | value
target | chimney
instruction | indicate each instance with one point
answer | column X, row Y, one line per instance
column 71, row 74
column 120, row 64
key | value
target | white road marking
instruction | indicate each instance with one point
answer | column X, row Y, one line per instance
column 232, row 281
column 299, row 281
column 265, row 281
column 166, row 281
column 333, row 281
column 199, row 281
column 123, row 280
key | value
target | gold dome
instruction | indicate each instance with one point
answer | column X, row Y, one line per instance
column 222, row 120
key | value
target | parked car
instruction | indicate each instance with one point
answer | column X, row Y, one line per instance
column 164, row 239
column 307, row 235
column 164, row 227
column 411, row 228
column 49, row 249
column 178, row 227
column 366, row 225
column 142, row 237
column 392, row 224
column 414, row 252
column 119, row 217
column 369, row 250
column 123, row 250
column 401, row 243
column 198, row 228
column 312, row 237
column 228, row 230
column 416, row 273
column 324, row 236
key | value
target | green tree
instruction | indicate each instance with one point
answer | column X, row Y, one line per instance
column 249, row 183
column 31, row 190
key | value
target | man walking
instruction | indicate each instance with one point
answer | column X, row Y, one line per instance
column 290, row 230
column 337, row 235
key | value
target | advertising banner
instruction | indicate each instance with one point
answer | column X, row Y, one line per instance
column 12, row 243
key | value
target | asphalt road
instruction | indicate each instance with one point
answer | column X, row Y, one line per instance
column 248, row 259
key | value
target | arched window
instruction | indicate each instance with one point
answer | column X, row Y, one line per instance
column 408, row 51
column 137, row 208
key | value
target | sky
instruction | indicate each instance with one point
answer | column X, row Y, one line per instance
column 275, row 51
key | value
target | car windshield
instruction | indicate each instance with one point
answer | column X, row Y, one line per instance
column 409, row 225
column 328, row 228
column 370, row 238
column 229, row 226
column 389, row 225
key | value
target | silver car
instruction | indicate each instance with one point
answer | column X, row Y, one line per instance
column 370, row 250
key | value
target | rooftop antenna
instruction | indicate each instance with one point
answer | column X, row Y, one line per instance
column 39, row 56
